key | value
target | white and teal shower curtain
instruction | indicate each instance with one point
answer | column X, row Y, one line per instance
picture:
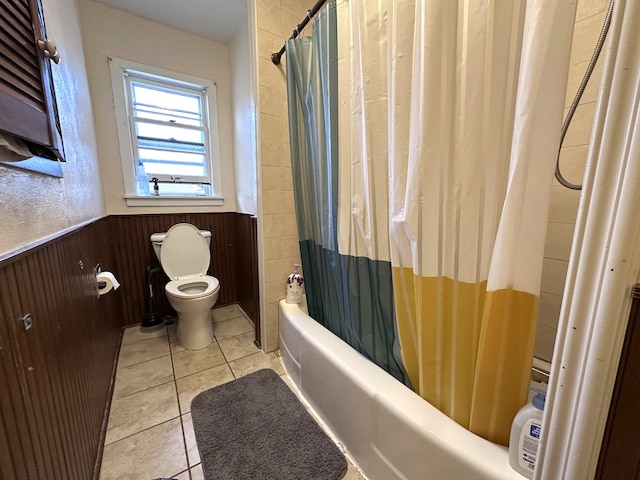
column 423, row 140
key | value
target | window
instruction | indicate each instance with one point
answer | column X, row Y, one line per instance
column 167, row 125
column 27, row 102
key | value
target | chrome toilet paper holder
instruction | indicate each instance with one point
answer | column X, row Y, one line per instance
column 96, row 270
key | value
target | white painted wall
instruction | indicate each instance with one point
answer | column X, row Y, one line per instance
column 34, row 207
column 244, row 122
column 111, row 32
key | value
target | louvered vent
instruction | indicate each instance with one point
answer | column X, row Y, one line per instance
column 19, row 62
column 27, row 99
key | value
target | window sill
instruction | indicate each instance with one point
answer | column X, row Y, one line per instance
column 172, row 201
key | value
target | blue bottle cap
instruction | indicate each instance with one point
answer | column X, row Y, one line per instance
column 539, row 398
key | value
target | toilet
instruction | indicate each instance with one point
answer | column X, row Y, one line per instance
column 183, row 252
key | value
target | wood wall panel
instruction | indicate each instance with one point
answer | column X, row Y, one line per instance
column 134, row 253
column 56, row 376
column 247, row 268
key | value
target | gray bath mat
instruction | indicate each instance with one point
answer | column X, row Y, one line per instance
column 256, row 428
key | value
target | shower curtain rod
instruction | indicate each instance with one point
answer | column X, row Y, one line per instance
column 275, row 57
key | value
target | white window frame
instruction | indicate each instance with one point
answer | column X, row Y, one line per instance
column 118, row 68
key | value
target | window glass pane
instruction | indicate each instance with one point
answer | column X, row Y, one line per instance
column 169, row 123
column 183, row 189
column 163, row 115
column 169, row 106
column 182, row 138
column 159, row 162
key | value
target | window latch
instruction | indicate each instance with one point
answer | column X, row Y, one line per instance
column 176, row 179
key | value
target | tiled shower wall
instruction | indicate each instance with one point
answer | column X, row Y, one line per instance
column 590, row 17
column 276, row 19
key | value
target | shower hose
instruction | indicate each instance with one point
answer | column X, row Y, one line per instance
column 576, row 100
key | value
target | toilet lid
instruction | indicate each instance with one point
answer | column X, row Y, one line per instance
column 184, row 252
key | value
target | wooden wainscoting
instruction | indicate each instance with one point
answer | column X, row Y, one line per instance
column 247, row 287
column 234, row 259
column 55, row 376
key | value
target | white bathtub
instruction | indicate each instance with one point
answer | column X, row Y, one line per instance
column 389, row 430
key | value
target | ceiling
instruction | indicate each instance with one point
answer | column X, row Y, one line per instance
column 214, row 19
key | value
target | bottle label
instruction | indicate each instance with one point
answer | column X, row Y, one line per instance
column 294, row 288
column 528, row 448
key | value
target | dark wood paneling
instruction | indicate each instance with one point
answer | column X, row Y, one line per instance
column 134, row 253
column 56, row 376
column 247, row 268
column 620, row 452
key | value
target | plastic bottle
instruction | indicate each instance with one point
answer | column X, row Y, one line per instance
column 525, row 435
column 294, row 286
column 142, row 181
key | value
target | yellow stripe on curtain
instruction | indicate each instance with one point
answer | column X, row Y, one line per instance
column 462, row 348
column 438, row 322
column 507, row 338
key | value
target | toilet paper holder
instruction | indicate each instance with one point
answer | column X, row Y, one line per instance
column 105, row 281
column 96, row 270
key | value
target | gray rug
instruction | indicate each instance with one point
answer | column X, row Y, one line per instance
column 256, row 428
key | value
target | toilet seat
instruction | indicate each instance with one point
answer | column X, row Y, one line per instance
column 175, row 287
column 185, row 252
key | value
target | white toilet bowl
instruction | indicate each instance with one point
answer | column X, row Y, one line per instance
column 184, row 255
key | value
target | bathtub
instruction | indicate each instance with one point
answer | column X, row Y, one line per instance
column 390, row 431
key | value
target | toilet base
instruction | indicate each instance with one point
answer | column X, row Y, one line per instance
column 195, row 331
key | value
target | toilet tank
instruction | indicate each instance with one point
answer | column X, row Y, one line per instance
column 158, row 238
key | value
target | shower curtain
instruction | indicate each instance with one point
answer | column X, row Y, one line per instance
column 423, row 140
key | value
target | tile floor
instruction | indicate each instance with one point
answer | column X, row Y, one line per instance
column 150, row 434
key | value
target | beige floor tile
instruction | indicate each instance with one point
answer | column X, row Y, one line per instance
column 135, row 334
column 257, row 361
column 196, row 473
column 238, row 346
column 226, row 313
column 182, row 476
column 231, row 328
column 141, row 376
column 152, row 453
column 142, row 410
column 143, row 351
column 352, row 473
column 190, row 386
column 188, row 362
column 174, row 345
column 193, row 454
